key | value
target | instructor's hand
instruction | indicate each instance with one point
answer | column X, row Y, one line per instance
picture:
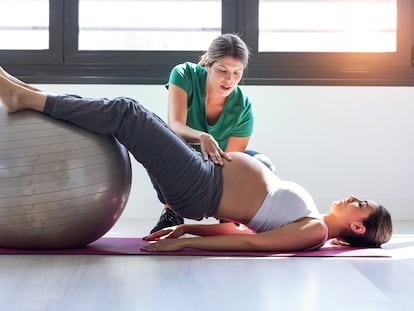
column 211, row 149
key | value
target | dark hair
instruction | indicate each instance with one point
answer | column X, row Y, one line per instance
column 226, row 45
column 378, row 230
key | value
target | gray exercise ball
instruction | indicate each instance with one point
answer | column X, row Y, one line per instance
column 60, row 186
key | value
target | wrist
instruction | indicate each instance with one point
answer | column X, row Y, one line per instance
column 183, row 228
column 203, row 136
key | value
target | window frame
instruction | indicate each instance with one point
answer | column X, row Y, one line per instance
column 53, row 55
column 348, row 68
column 64, row 63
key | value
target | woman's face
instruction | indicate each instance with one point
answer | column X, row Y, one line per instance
column 353, row 209
column 224, row 75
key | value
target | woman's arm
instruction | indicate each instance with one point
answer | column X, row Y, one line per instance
column 199, row 230
column 177, row 115
column 237, row 144
column 294, row 236
column 177, row 119
column 217, row 229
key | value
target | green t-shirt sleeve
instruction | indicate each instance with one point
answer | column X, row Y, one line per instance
column 182, row 75
column 192, row 79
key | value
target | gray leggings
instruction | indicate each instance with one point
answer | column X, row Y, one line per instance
column 190, row 185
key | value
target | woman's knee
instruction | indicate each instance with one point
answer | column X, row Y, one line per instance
column 262, row 158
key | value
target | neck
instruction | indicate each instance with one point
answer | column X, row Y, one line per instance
column 212, row 99
column 334, row 227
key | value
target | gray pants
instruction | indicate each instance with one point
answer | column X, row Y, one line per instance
column 190, row 185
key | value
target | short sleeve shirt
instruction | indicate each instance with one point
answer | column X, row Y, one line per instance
column 237, row 117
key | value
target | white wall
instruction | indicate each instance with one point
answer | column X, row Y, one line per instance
column 334, row 141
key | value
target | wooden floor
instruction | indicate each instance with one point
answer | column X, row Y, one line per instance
column 118, row 283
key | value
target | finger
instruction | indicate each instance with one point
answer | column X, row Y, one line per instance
column 219, row 158
column 148, row 248
column 226, row 155
column 147, row 237
column 151, row 237
column 156, row 235
column 215, row 156
column 205, row 156
column 154, row 247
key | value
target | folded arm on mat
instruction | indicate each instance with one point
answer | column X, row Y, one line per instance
column 220, row 237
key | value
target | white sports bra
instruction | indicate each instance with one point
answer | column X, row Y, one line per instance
column 284, row 205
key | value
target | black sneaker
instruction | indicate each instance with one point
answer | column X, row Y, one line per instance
column 168, row 218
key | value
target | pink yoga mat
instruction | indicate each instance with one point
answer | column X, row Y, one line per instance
column 132, row 246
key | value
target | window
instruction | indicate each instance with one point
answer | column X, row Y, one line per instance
column 148, row 24
column 328, row 26
column 21, row 29
column 311, row 42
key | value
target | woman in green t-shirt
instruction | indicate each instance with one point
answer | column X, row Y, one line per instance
column 208, row 109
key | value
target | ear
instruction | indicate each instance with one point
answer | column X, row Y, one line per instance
column 206, row 62
column 358, row 228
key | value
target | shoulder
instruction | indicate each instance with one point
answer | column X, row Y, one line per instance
column 187, row 76
column 304, row 234
column 188, row 68
column 312, row 232
column 317, row 233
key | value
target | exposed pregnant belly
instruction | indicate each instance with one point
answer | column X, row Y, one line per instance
column 246, row 181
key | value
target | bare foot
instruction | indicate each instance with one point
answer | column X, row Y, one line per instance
column 17, row 81
column 8, row 93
